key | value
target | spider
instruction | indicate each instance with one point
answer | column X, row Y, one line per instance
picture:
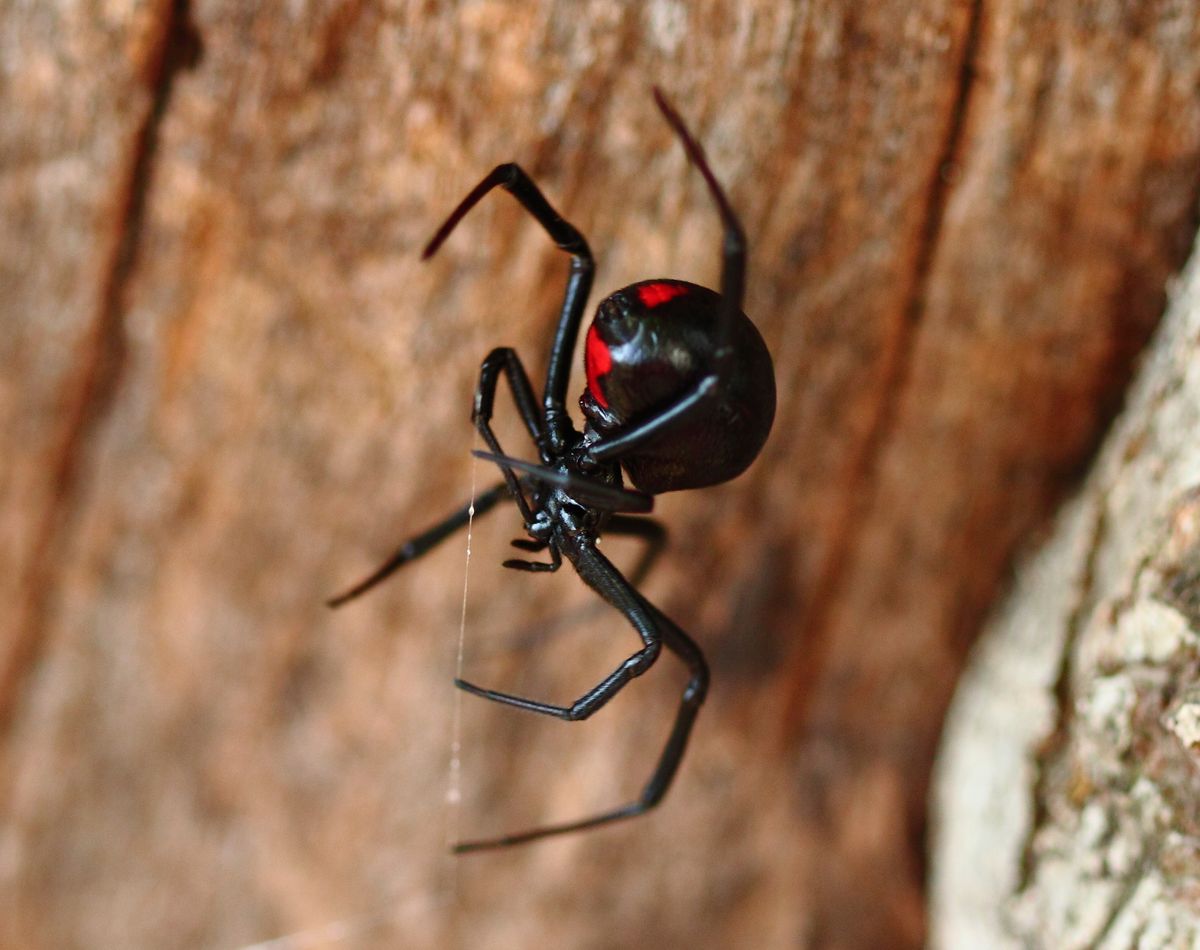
column 680, row 392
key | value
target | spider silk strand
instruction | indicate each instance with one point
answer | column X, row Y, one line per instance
column 454, row 777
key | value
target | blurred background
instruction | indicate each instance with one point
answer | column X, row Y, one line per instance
column 230, row 388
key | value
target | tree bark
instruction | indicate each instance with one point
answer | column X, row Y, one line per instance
column 229, row 386
column 1066, row 806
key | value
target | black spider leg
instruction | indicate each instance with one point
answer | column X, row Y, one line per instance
column 733, row 274
column 413, row 548
column 656, row 631
column 514, row 180
column 650, row 533
column 587, row 491
column 485, row 396
column 505, row 358
column 501, row 359
column 535, row 567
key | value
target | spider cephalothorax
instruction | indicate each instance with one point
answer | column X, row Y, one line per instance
column 680, row 393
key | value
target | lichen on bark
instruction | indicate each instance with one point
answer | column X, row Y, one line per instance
column 1066, row 811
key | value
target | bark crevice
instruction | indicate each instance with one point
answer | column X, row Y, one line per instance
column 89, row 391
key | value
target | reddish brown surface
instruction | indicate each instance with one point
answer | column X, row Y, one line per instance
column 229, row 386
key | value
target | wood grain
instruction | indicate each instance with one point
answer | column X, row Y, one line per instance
column 231, row 387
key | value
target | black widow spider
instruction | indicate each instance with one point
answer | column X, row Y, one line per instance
column 680, row 391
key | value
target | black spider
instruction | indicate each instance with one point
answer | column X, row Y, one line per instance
column 680, row 392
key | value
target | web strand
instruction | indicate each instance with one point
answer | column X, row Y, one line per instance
column 349, row 928
column 454, row 777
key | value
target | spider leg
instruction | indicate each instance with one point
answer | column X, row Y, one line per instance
column 536, row 567
column 594, row 569
column 733, row 276
column 585, row 490
column 413, row 548
column 505, row 359
column 651, row 532
column 733, row 249
column 600, row 574
column 516, row 182
column 501, row 359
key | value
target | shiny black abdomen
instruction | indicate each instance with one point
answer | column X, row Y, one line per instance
column 649, row 345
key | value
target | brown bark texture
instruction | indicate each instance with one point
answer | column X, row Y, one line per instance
column 229, row 386
column 1066, row 808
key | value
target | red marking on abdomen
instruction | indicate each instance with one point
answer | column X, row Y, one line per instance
column 597, row 361
column 655, row 295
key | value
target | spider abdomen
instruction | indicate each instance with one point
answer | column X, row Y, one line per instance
column 649, row 344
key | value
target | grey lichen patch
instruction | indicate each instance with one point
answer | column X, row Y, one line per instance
column 1145, row 920
column 1182, row 719
column 1152, row 632
column 1096, row 868
column 1108, row 712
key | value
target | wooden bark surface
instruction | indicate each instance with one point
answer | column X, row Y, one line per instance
column 229, row 387
column 1066, row 798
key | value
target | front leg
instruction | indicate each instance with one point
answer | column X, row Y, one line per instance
column 513, row 179
column 699, row 399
